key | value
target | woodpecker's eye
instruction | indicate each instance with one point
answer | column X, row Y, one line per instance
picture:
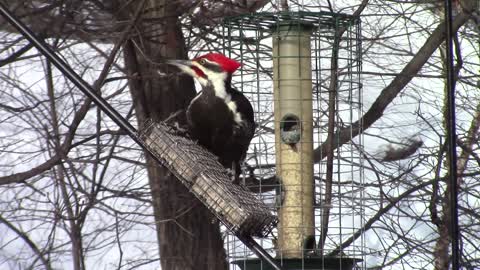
column 202, row 61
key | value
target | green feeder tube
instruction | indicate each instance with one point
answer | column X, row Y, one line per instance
column 293, row 116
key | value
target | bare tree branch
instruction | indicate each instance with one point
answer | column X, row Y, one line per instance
column 396, row 86
column 30, row 243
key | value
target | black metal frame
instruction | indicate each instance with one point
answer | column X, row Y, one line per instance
column 452, row 137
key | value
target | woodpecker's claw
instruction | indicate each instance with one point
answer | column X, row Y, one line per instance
column 174, row 121
column 231, row 174
column 180, row 130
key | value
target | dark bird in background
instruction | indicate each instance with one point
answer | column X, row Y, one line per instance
column 219, row 117
column 404, row 151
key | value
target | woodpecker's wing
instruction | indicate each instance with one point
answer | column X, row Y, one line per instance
column 244, row 132
column 243, row 106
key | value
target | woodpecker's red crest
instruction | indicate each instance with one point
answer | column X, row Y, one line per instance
column 227, row 64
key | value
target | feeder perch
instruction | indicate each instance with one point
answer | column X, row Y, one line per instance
column 325, row 263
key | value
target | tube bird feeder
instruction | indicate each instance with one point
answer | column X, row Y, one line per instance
column 288, row 75
column 292, row 81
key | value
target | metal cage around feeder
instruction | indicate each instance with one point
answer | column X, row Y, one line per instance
column 301, row 69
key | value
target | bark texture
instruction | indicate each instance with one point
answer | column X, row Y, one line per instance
column 187, row 236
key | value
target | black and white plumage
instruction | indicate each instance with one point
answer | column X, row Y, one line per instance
column 219, row 117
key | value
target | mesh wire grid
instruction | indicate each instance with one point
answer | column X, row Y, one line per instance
column 198, row 169
column 334, row 37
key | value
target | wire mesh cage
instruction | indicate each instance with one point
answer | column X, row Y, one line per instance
column 301, row 71
column 199, row 170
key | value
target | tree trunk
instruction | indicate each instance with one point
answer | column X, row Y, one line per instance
column 188, row 236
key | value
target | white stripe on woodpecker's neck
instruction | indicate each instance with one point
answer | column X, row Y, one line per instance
column 217, row 79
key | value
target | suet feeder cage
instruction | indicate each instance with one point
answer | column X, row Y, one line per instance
column 198, row 170
column 301, row 71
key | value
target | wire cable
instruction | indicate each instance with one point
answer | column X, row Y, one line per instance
column 452, row 138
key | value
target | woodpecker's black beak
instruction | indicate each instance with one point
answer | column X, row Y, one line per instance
column 188, row 67
column 179, row 63
column 185, row 66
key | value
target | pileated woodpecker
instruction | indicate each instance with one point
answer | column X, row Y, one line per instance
column 219, row 117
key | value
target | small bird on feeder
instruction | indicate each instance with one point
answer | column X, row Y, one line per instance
column 219, row 117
